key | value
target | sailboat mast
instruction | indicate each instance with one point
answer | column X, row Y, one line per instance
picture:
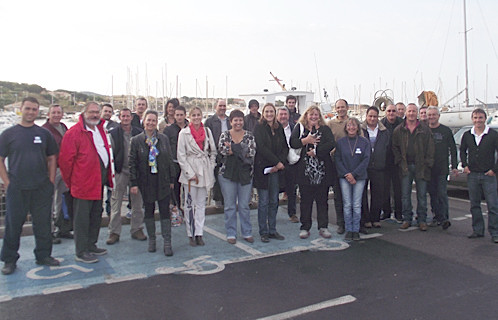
column 466, row 66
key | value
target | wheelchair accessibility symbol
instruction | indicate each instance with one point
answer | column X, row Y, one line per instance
column 199, row 266
column 56, row 272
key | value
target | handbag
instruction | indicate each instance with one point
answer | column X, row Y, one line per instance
column 295, row 154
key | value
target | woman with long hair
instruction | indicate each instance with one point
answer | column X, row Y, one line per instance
column 271, row 154
column 237, row 148
column 152, row 172
column 314, row 169
column 196, row 156
column 351, row 158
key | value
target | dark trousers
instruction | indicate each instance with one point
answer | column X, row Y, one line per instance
column 392, row 179
column 437, row 189
column 338, row 204
column 63, row 224
column 38, row 203
column 290, row 189
column 164, row 212
column 377, row 184
column 319, row 194
column 177, row 187
column 87, row 219
column 217, row 195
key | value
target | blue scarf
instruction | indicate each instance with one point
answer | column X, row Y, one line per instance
column 153, row 152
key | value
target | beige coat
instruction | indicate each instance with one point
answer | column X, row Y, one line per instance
column 194, row 161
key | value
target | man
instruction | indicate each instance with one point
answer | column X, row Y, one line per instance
column 172, row 133
column 58, row 129
column 121, row 137
column 423, row 114
column 290, row 170
column 138, row 116
column 107, row 113
column 337, row 126
column 31, row 153
column 218, row 123
column 444, row 146
column 413, row 149
column 392, row 177
column 253, row 117
column 290, row 103
column 401, row 109
column 477, row 150
column 86, row 166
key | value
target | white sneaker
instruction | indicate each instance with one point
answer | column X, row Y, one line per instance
column 324, row 232
column 304, row 234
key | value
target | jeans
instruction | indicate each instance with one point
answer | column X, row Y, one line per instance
column 351, row 198
column 406, row 195
column 437, row 188
column 480, row 184
column 236, row 195
column 268, row 206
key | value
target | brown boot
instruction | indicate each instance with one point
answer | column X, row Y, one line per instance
column 113, row 238
column 139, row 235
column 405, row 225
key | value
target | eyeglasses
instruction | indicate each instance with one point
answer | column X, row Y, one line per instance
column 390, row 110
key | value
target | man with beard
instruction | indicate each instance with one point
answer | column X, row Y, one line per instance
column 86, row 166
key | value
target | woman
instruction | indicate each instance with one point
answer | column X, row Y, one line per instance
column 152, row 172
column 314, row 169
column 351, row 158
column 196, row 156
column 237, row 148
column 379, row 138
column 169, row 114
column 271, row 155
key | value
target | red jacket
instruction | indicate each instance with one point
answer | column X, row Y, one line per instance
column 79, row 162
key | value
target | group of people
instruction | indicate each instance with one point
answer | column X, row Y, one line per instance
column 61, row 172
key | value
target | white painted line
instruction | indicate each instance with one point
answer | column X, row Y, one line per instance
column 311, row 308
column 239, row 245
column 370, row 235
column 5, row 298
column 129, row 277
column 63, row 288
column 459, row 218
column 409, row 229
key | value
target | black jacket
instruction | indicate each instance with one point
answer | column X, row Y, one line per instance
column 480, row 158
column 139, row 166
column 382, row 147
column 270, row 150
column 172, row 132
column 135, row 121
column 118, row 146
column 214, row 123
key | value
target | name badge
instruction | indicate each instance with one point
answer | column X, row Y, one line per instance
column 37, row 140
column 358, row 151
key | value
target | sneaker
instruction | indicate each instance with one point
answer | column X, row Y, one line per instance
column 232, row 240
column 340, row 229
column 422, row 226
column 405, row 225
column 494, row 239
column 304, row 234
column 113, row 238
column 349, row 236
column 48, row 261
column 376, row 225
column 139, row 235
column 65, row 235
column 265, row 238
column 294, row 219
column 446, row 224
column 249, row 239
column 324, row 232
column 9, row 268
column 276, row 236
column 98, row 251
column 86, row 258
column 434, row 223
column 356, row 236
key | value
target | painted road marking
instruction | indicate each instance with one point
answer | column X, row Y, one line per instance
column 459, row 218
column 239, row 245
column 32, row 274
column 195, row 266
column 370, row 235
column 129, row 277
column 5, row 298
column 312, row 308
column 68, row 287
column 409, row 229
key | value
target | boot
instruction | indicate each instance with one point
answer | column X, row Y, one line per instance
column 150, row 225
column 166, row 232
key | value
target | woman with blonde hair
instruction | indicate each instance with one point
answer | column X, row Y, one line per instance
column 271, row 154
column 196, row 155
column 315, row 172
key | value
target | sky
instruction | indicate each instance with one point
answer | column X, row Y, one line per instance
column 350, row 48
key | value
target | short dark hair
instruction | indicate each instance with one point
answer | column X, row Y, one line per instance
column 142, row 98
column 347, row 104
column 30, row 99
column 290, row 97
column 125, row 110
column 154, row 112
column 236, row 113
column 55, row 106
column 108, row 105
column 374, row 108
column 181, row 108
column 479, row 110
column 253, row 102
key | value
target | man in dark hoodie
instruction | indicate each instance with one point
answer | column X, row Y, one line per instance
column 253, row 117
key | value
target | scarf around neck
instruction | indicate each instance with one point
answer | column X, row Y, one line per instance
column 198, row 135
column 153, row 152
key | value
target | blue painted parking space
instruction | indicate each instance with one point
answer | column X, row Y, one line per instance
column 128, row 259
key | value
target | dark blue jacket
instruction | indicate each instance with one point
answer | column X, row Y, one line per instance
column 118, row 146
column 381, row 148
column 355, row 163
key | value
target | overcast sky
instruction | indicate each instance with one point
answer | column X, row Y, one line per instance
column 360, row 46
